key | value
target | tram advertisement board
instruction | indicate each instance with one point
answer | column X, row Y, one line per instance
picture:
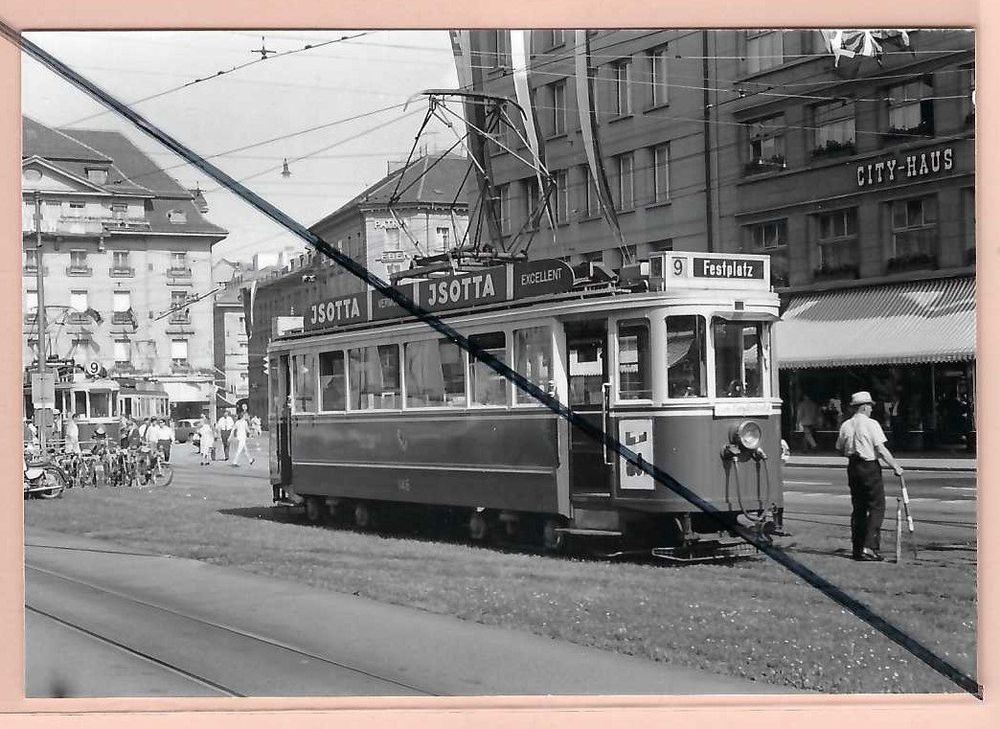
column 337, row 310
column 541, row 278
column 384, row 308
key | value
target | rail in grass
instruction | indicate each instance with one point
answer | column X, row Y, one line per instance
column 371, row 410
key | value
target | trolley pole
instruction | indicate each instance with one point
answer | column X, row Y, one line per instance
column 45, row 421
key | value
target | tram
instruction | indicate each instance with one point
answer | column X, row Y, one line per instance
column 372, row 410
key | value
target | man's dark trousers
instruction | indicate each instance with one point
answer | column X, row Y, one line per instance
column 224, row 434
column 867, row 503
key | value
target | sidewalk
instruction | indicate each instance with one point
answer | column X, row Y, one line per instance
column 911, row 464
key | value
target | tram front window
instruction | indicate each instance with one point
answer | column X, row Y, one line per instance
column 633, row 360
column 686, row 376
column 100, row 405
column 738, row 358
column 374, row 377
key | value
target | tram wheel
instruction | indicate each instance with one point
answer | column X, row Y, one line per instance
column 316, row 510
column 553, row 540
column 479, row 528
column 364, row 517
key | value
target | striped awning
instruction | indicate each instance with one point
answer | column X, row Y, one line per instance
column 915, row 321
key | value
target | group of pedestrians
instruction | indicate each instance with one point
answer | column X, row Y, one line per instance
column 152, row 432
column 230, row 431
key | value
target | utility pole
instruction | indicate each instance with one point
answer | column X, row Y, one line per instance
column 44, row 422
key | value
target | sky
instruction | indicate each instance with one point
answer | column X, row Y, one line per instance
column 324, row 87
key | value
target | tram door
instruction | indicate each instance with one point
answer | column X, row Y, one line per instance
column 281, row 390
column 586, row 346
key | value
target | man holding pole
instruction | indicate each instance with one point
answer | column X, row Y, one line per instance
column 862, row 440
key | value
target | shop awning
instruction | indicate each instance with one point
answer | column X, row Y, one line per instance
column 184, row 392
column 915, row 321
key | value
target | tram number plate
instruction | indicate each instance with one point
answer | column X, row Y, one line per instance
column 637, row 436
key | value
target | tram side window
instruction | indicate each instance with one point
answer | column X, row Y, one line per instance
column 533, row 359
column 686, row 376
column 332, row 381
column 487, row 386
column 374, row 377
column 99, row 405
column 738, row 358
column 305, row 383
column 80, row 403
column 634, row 381
column 435, row 374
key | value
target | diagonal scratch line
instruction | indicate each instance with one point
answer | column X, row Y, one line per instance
column 854, row 606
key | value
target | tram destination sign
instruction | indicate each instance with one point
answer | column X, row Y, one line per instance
column 728, row 268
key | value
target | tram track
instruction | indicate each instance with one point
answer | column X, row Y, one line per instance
column 209, row 633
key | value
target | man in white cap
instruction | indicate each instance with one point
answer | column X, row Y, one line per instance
column 863, row 442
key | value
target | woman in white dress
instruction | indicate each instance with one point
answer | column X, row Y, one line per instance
column 207, row 434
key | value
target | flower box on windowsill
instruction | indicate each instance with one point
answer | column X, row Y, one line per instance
column 758, row 166
column 180, row 366
column 833, row 273
column 921, row 130
column 179, row 272
column 79, row 271
column 834, row 149
column 911, row 263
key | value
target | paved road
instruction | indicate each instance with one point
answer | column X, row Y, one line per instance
column 106, row 622
column 943, row 504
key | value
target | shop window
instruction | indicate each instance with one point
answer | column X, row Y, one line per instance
column 486, row 385
column 766, row 145
column 833, row 129
column 837, row 242
column 765, row 49
column 911, row 109
column 304, row 383
column 658, row 88
column 738, row 358
column 634, row 381
column 661, row 173
column 374, row 378
column 435, row 374
column 332, row 381
column 686, row 371
column 621, row 104
column 533, row 360
column 914, row 233
column 770, row 238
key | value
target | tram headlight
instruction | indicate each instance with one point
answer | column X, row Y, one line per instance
column 748, row 435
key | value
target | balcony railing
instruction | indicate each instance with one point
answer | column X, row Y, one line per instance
column 180, row 317
column 757, row 166
column 72, row 270
column 79, row 317
column 178, row 272
column 123, row 317
column 121, row 272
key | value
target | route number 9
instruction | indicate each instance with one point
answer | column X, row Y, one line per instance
column 678, row 266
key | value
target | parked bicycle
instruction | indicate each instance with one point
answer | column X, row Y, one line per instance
column 43, row 479
column 152, row 467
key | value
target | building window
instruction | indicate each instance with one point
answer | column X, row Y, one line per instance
column 78, row 263
column 657, row 59
column 31, row 302
column 122, row 351
column 176, row 217
column 122, row 301
column 498, row 48
column 624, row 189
column 30, row 260
column 587, row 206
column 764, row 50
column 621, row 103
column 443, row 236
column 178, row 261
column 560, row 197
column 833, row 128
column 661, row 173
column 911, row 110
column 121, row 261
column 557, row 110
column 530, row 188
column 119, row 210
column 766, row 139
column 552, row 38
column 75, row 209
column 392, row 239
column 78, row 301
column 770, row 238
column 97, row 175
column 837, row 242
column 178, row 311
column 914, row 232
column 178, row 351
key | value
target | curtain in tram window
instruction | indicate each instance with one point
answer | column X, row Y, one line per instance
column 424, row 375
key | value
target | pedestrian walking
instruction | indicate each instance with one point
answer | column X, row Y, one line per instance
column 808, row 416
column 224, row 427
column 241, row 431
column 164, row 438
column 72, row 434
column 206, row 446
column 862, row 441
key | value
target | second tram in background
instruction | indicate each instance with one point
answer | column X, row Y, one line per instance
column 372, row 411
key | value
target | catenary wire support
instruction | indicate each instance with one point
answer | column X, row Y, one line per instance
column 849, row 603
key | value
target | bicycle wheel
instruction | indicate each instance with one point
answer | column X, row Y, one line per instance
column 163, row 474
column 55, row 481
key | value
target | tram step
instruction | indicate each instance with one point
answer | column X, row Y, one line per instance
column 590, row 532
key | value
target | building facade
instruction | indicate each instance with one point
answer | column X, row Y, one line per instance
column 124, row 251
column 428, row 214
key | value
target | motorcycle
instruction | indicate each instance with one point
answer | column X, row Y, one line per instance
column 43, row 480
